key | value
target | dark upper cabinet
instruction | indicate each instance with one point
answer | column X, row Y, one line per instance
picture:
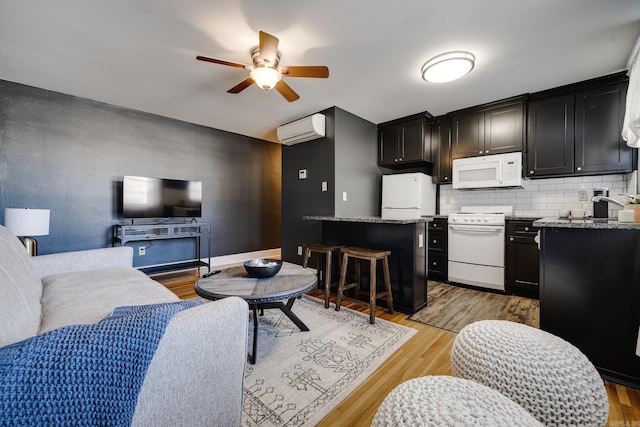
column 404, row 141
column 598, row 126
column 575, row 130
column 441, row 149
column 488, row 129
column 550, row 136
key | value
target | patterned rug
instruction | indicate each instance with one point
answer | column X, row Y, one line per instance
column 451, row 307
column 299, row 377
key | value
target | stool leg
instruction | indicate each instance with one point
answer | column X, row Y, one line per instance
column 372, row 291
column 343, row 275
column 319, row 273
column 387, row 283
column 358, row 261
column 327, row 278
column 305, row 257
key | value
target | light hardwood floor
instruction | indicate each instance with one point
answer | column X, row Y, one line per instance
column 427, row 353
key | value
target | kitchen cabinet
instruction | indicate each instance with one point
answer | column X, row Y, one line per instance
column 575, row 130
column 441, row 150
column 488, row 129
column 437, row 250
column 589, row 294
column 404, row 141
column 522, row 275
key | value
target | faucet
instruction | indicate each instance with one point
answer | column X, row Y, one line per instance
column 608, row 199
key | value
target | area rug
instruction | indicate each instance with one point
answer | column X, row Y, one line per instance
column 452, row 307
column 299, row 377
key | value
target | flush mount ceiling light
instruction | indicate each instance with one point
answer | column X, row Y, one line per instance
column 448, row 66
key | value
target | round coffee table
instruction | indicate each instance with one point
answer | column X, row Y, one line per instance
column 290, row 282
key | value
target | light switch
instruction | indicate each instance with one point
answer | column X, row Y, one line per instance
column 324, row 185
column 420, row 240
column 344, row 196
column 302, row 174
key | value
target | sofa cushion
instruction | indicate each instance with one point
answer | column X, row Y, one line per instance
column 88, row 296
column 20, row 291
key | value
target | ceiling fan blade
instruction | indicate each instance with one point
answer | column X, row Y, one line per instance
column 268, row 48
column 310, row 71
column 241, row 86
column 286, row 91
column 223, row 62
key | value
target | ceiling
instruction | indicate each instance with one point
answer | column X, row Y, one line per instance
column 141, row 54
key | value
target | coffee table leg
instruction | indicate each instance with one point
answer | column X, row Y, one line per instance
column 252, row 358
column 286, row 309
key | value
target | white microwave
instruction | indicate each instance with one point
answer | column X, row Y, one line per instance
column 495, row 171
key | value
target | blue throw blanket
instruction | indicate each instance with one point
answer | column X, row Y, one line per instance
column 83, row 375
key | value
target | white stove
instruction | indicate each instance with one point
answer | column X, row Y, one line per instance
column 476, row 246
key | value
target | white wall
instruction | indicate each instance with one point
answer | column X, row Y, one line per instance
column 541, row 197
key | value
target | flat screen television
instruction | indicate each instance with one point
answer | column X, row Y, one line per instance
column 144, row 197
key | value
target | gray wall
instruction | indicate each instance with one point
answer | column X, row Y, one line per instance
column 346, row 159
column 69, row 154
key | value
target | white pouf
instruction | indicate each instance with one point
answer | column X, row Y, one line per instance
column 449, row 401
column 545, row 374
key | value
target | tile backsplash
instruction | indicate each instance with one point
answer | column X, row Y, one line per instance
column 541, row 197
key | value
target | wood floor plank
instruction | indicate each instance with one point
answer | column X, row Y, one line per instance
column 426, row 353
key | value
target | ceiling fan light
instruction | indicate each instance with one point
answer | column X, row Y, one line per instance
column 448, row 66
column 265, row 77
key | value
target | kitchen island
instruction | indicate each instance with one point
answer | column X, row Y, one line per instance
column 405, row 238
column 590, row 291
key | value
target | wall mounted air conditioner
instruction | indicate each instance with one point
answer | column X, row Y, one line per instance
column 306, row 129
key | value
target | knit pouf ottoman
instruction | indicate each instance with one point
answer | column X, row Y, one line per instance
column 545, row 374
column 449, row 401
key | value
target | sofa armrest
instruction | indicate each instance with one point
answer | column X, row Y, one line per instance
column 196, row 375
column 92, row 259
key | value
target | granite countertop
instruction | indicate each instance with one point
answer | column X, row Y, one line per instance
column 507, row 217
column 368, row 219
column 594, row 223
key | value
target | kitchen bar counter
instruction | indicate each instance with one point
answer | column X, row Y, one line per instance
column 405, row 238
column 368, row 219
column 590, row 291
column 592, row 223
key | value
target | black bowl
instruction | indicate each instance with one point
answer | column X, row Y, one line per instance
column 262, row 267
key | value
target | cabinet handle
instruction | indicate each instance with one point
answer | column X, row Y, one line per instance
column 532, row 172
column 511, row 239
column 526, row 229
column 578, row 168
column 435, row 241
column 480, row 152
column 395, row 160
column 400, row 159
column 435, row 263
column 446, row 178
column 486, row 152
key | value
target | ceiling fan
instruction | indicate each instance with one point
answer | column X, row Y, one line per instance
column 266, row 71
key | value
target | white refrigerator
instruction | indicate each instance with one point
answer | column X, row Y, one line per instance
column 408, row 195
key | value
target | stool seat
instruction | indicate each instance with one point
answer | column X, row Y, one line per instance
column 449, row 401
column 324, row 274
column 371, row 255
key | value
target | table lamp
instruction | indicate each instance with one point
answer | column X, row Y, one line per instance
column 25, row 223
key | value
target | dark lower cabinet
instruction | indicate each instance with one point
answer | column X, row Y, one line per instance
column 437, row 249
column 522, row 264
column 590, row 295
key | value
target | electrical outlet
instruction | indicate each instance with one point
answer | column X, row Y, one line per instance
column 583, row 196
column 324, row 185
column 344, row 196
column 300, row 250
column 302, row 174
column 142, row 250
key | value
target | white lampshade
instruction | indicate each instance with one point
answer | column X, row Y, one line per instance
column 448, row 66
column 27, row 222
column 265, row 77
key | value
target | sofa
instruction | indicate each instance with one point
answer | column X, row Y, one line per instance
column 195, row 376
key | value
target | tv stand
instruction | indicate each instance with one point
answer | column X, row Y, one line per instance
column 139, row 233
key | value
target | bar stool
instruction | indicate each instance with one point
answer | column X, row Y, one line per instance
column 324, row 275
column 372, row 256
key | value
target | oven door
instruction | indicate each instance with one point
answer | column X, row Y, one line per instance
column 480, row 245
